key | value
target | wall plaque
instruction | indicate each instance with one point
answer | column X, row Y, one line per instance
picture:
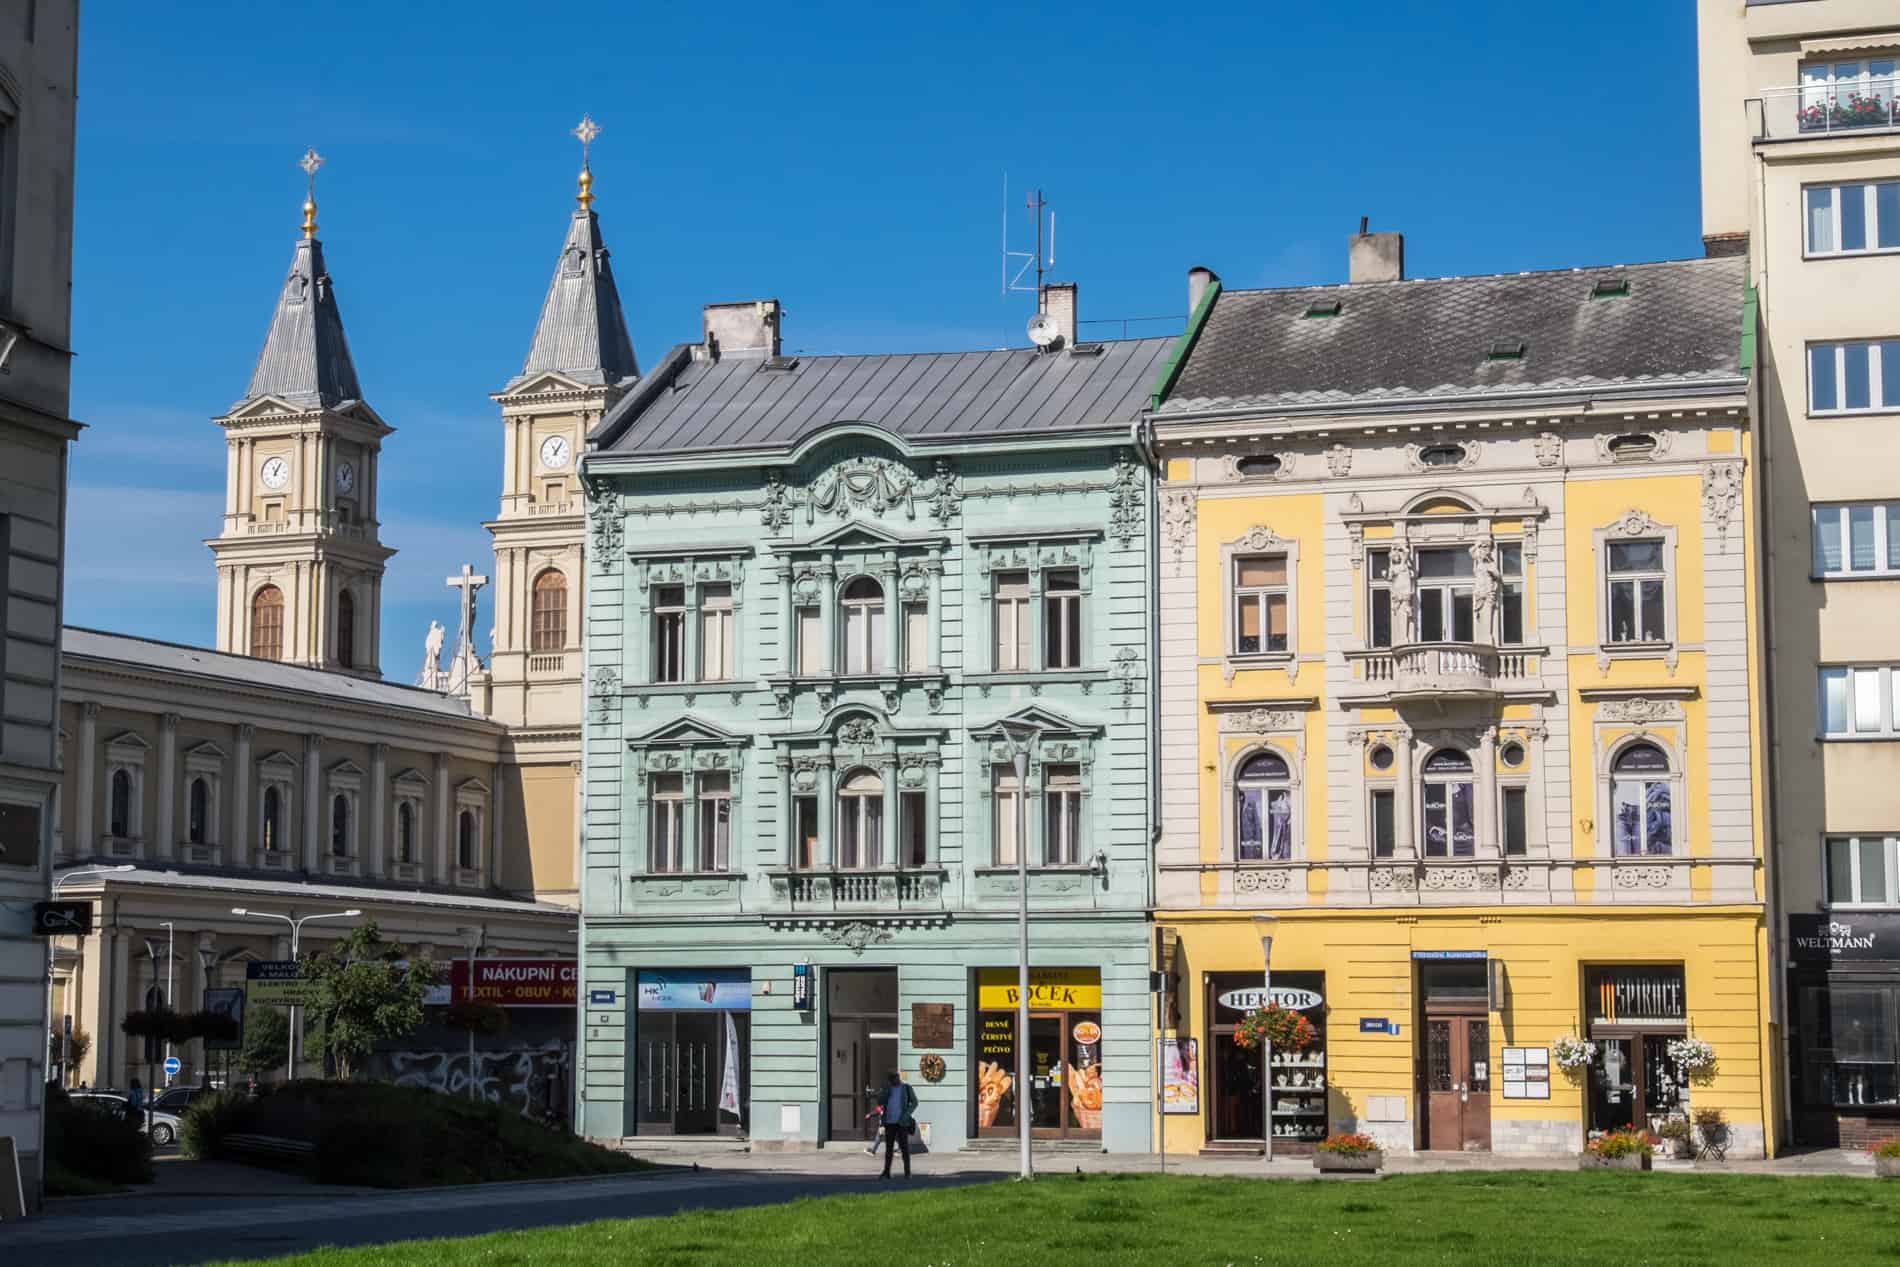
column 933, row 1025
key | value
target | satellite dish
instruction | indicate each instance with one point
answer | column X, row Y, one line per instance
column 1043, row 330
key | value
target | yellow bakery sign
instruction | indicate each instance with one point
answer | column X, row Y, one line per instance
column 1079, row 988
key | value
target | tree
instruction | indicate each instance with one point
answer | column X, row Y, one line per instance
column 266, row 1040
column 78, row 1043
column 365, row 994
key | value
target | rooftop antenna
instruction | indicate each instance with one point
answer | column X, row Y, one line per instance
column 1035, row 204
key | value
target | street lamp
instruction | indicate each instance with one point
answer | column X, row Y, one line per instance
column 171, row 934
column 472, row 938
column 1263, row 925
column 53, row 894
column 1019, row 738
column 296, row 929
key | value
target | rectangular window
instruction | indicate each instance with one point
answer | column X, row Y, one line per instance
column 1062, row 620
column 669, row 634
column 1515, row 822
column 805, row 830
column 1636, row 581
column 1378, row 598
column 1857, row 701
column 1511, row 594
column 910, row 808
column 1012, row 621
column 715, row 822
column 1062, row 815
column 1260, row 604
column 1843, row 96
column 1384, row 828
column 1861, row 870
column 1854, row 377
column 810, row 639
column 1852, row 218
column 667, row 832
column 1848, row 1056
column 1862, row 539
column 1005, row 792
column 715, row 633
column 1444, row 596
column 916, row 637
column 864, row 647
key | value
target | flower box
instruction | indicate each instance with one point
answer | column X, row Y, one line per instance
column 1623, row 1161
column 1329, row 1162
column 1886, row 1167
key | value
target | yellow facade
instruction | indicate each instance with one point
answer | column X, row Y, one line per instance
column 1543, row 912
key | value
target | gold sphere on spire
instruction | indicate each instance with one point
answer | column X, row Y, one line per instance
column 587, row 188
column 310, row 217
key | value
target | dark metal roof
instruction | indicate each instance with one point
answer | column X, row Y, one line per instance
column 582, row 334
column 1679, row 324
column 306, row 358
column 739, row 403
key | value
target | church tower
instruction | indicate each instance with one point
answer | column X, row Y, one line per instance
column 579, row 363
column 300, row 565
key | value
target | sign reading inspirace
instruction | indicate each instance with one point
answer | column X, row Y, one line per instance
column 1286, row 996
column 278, row 983
column 694, row 989
column 517, row 982
column 1842, row 936
column 1078, row 988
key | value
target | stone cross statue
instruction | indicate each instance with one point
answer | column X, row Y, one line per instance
column 431, row 675
column 1404, row 592
column 466, row 662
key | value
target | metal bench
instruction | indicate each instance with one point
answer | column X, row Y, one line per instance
column 269, row 1147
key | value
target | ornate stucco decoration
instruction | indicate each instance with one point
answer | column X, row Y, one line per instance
column 1634, row 523
column 1662, row 442
column 1339, row 461
column 604, row 512
column 1255, row 879
column 946, row 494
column 1126, row 669
column 856, row 935
column 1549, row 448
column 864, row 485
column 1177, row 520
column 606, row 690
column 1415, row 462
column 776, row 513
column 1721, row 494
column 1259, row 538
column 1230, row 466
column 1395, row 879
column 859, row 731
column 1641, row 877
column 1125, row 499
column 1465, row 879
column 1261, row 721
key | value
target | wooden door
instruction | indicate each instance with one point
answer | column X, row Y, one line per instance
column 1457, row 1077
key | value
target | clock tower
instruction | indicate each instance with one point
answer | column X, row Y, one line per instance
column 300, row 564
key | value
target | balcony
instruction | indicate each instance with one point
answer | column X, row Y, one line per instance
column 547, row 664
column 1825, row 110
column 1446, row 670
column 879, row 890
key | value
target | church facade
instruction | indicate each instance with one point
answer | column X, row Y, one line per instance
column 833, row 598
column 278, row 774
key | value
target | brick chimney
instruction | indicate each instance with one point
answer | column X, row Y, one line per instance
column 1199, row 279
column 749, row 328
column 1058, row 301
column 1375, row 257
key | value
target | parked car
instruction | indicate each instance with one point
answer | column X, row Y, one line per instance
column 162, row 1125
column 178, row 1099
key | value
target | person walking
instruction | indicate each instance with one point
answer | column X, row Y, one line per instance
column 900, row 1109
column 877, row 1132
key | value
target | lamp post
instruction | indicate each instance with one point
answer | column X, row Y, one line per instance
column 85, row 874
column 296, row 929
column 1263, row 924
column 472, row 938
column 208, row 959
column 1019, row 738
column 171, row 934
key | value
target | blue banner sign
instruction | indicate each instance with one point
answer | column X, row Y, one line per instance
column 694, row 989
column 601, row 996
column 1448, row 954
column 1374, row 1025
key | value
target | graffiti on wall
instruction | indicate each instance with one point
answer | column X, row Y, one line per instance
column 534, row 1079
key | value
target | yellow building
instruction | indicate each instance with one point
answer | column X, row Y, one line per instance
column 1457, row 653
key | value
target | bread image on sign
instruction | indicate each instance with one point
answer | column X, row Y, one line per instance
column 1085, row 1095
column 992, row 1084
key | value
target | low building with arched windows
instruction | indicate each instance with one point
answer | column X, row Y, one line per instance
column 1458, row 609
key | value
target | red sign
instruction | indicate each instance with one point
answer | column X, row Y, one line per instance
column 517, row 982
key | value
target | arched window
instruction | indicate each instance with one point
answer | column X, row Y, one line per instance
column 346, row 629
column 1451, row 829
column 465, row 840
column 405, row 832
column 267, row 623
column 1263, row 810
column 340, row 826
column 197, row 812
column 862, row 624
column 273, row 818
column 120, row 819
column 1641, row 809
column 861, row 819
column 549, row 627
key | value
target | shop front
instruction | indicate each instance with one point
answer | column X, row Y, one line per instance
column 1065, row 1053
column 1844, row 996
column 1236, row 1093
column 1635, row 1011
column 692, row 1051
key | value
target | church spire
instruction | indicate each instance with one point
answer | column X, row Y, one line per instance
column 306, row 358
column 581, row 334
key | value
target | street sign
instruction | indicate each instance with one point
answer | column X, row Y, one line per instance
column 278, row 983
column 803, row 997
column 1374, row 1025
column 62, row 919
column 172, row 1066
column 600, row 996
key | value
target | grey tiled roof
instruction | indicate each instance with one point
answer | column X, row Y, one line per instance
column 149, row 877
column 581, row 334
column 272, row 675
column 741, row 403
column 1680, row 325
column 306, row 358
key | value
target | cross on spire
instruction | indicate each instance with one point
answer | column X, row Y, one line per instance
column 586, row 131
column 466, row 661
column 310, row 161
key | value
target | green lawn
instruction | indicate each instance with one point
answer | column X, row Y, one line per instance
column 1604, row 1219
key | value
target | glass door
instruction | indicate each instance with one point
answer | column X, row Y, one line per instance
column 1613, row 1086
column 1047, row 1064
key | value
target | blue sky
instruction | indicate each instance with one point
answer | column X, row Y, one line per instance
column 846, row 160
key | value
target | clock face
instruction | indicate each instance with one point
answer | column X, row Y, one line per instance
column 345, row 477
column 554, row 452
column 276, row 473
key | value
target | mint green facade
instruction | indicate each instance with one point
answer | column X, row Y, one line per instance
column 853, row 742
